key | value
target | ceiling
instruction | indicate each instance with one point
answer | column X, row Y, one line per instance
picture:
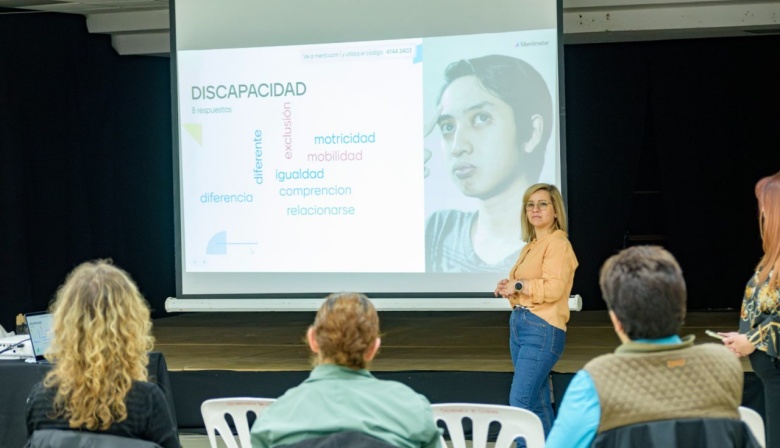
column 142, row 27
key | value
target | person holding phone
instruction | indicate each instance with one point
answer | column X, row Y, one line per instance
column 759, row 326
column 538, row 289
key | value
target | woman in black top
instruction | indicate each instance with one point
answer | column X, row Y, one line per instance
column 759, row 326
column 102, row 334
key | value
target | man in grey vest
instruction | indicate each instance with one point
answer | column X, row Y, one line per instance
column 654, row 375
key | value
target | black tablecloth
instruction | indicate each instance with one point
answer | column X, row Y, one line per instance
column 18, row 377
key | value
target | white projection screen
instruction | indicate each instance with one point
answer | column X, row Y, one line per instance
column 373, row 146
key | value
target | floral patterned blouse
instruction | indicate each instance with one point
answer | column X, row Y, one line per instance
column 760, row 315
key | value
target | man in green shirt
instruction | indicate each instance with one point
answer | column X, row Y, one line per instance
column 340, row 394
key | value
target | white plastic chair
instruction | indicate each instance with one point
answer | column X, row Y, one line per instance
column 515, row 422
column 755, row 423
column 215, row 410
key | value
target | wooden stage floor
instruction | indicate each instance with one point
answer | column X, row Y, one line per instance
column 411, row 341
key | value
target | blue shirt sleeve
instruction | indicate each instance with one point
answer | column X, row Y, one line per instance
column 579, row 415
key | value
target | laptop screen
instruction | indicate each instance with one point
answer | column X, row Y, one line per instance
column 40, row 327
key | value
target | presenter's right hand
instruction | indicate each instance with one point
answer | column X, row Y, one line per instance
column 501, row 288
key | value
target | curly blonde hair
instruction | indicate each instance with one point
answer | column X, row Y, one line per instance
column 346, row 327
column 102, row 334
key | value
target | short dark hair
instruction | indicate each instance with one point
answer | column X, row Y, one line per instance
column 519, row 85
column 644, row 287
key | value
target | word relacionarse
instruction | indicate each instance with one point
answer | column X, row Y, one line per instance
column 239, row 91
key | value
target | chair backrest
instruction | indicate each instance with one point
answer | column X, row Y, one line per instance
column 515, row 422
column 755, row 423
column 57, row 438
column 344, row 439
column 679, row 433
column 215, row 410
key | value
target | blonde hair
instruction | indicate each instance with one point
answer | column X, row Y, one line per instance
column 768, row 195
column 346, row 327
column 102, row 334
column 528, row 230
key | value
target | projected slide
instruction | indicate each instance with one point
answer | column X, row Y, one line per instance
column 303, row 159
column 375, row 157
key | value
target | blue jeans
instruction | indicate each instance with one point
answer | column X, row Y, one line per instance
column 535, row 346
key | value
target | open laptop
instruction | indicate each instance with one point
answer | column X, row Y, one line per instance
column 40, row 327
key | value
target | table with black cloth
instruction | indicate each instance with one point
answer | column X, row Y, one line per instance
column 18, row 377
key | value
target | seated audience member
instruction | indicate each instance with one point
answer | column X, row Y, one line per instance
column 654, row 374
column 340, row 395
column 98, row 383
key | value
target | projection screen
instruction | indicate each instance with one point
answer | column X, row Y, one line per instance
column 372, row 146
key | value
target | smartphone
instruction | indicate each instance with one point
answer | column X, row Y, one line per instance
column 713, row 334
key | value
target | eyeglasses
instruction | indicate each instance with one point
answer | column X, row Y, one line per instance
column 529, row 206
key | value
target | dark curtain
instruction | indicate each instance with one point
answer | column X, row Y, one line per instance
column 606, row 108
column 716, row 138
column 86, row 165
column 707, row 110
